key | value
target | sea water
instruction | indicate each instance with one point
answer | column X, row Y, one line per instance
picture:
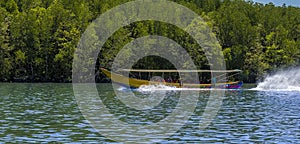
column 49, row 113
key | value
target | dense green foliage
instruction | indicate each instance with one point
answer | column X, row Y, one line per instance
column 38, row 37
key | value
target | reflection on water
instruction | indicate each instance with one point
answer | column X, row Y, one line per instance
column 49, row 113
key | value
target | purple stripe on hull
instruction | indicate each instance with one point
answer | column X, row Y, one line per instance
column 235, row 86
column 228, row 86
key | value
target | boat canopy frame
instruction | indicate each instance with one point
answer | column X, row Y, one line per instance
column 185, row 71
column 224, row 72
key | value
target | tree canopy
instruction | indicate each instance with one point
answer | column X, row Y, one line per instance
column 38, row 37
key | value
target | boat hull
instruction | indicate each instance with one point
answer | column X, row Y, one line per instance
column 136, row 83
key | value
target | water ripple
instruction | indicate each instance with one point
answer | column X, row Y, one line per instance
column 48, row 113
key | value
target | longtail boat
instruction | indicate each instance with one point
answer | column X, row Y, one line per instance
column 136, row 83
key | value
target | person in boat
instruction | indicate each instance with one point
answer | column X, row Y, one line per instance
column 169, row 80
column 180, row 82
column 214, row 81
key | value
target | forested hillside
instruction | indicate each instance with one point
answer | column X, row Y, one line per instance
column 38, row 37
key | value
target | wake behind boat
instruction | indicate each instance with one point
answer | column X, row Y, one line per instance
column 136, row 83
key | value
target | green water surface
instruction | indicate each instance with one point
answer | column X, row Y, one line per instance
column 49, row 113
